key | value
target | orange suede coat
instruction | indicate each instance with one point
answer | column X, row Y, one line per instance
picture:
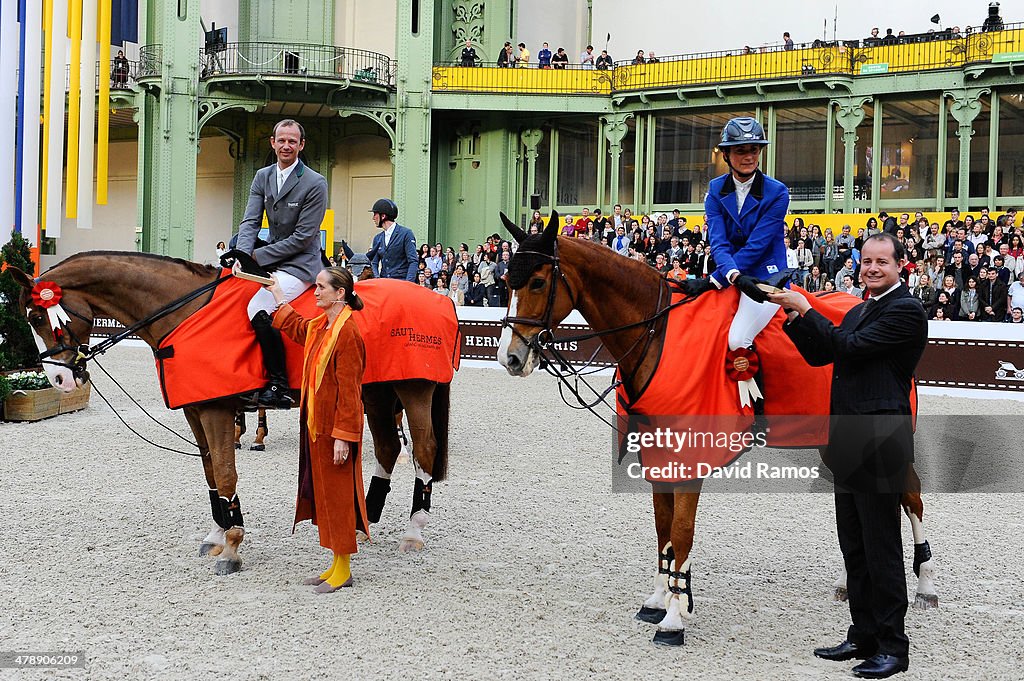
column 330, row 495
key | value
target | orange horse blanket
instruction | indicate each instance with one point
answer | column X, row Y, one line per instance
column 409, row 333
column 691, row 381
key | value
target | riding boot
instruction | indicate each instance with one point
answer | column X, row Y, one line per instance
column 275, row 395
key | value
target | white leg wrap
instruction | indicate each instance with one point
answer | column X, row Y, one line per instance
column 216, row 536
column 673, row 620
column 926, row 582
column 422, row 474
column 659, row 599
column 379, row 472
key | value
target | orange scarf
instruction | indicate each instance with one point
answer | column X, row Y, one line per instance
column 311, row 379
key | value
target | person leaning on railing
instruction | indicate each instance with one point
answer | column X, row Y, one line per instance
column 560, row 59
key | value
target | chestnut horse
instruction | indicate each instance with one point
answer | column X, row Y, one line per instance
column 130, row 287
column 623, row 301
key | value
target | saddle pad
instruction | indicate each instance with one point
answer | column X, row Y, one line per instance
column 409, row 333
column 690, row 380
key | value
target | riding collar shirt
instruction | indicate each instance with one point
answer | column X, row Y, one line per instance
column 742, row 189
column 283, row 174
column 388, row 233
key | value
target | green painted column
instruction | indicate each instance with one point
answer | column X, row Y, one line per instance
column 531, row 139
column 993, row 150
column 849, row 114
column 168, row 131
column 876, row 158
column 615, row 129
column 415, row 48
column 965, row 108
column 941, row 151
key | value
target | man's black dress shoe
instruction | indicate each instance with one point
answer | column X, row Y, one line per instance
column 881, row 666
column 843, row 652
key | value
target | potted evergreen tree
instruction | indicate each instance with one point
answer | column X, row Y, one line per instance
column 25, row 392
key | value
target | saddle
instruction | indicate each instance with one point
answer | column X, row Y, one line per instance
column 409, row 332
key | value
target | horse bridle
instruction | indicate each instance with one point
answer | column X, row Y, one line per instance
column 544, row 342
column 84, row 352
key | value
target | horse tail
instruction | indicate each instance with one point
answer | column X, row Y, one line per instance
column 439, row 412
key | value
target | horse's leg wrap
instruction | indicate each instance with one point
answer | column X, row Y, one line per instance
column 215, row 508
column 922, row 554
column 655, row 607
column 412, row 540
column 213, row 542
column 421, row 496
column 672, row 626
column 683, row 589
column 231, row 513
column 376, row 496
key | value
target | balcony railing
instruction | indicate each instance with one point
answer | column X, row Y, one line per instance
column 573, row 79
column 298, row 61
column 923, row 52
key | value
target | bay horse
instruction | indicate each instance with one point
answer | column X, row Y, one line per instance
column 131, row 287
column 624, row 302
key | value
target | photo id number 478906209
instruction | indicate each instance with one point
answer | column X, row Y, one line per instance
column 27, row 660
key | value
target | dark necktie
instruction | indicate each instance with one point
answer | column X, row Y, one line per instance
column 869, row 304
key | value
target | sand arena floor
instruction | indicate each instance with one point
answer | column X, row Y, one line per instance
column 533, row 568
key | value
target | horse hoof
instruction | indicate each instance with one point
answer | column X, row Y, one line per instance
column 651, row 615
column 410, row 545
column 362, row 537
column 257, row 448
column 227, row 567
column 840, row 594
column 669, row 638
column 207, row 549
column 926, row 601
column 216, row 550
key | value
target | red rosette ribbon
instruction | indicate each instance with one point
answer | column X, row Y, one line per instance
column 46, row 294
column 741, row 364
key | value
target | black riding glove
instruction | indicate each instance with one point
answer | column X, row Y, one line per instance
column 695, row 287
column 749, row 285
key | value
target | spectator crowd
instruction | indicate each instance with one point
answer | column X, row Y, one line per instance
column 967, row 268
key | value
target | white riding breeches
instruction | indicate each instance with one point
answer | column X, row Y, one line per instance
column 751, row 317
column 291, row 286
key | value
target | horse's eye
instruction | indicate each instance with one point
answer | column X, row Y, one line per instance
column 537, row 284
column 36, row 319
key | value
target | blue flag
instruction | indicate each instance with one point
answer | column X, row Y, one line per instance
column 124, row 22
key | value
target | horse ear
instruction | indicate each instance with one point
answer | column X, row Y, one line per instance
column 20, row 277
column 518, row 234
column 551, row 231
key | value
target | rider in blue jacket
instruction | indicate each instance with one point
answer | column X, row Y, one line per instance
column 746, row 213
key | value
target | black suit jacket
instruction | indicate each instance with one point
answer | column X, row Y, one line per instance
column 873, row 353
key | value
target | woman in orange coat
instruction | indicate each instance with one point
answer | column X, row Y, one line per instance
column 331, row 421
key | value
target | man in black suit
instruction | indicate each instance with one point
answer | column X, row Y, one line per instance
column 874, row 353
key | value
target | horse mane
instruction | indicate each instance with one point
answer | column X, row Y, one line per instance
column 192, row 267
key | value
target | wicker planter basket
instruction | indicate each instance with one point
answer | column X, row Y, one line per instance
column 35, row 405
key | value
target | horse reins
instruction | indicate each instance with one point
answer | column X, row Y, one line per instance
column 544, row 342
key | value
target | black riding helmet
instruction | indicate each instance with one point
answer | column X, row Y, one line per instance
column 386, row 207
column 740, row 131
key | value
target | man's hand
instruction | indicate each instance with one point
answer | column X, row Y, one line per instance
column 791, row 301
column 341, row 451
column 749, row 285
column 275, row 289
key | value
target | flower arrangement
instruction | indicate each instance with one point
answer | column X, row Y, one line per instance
column 27, row 380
